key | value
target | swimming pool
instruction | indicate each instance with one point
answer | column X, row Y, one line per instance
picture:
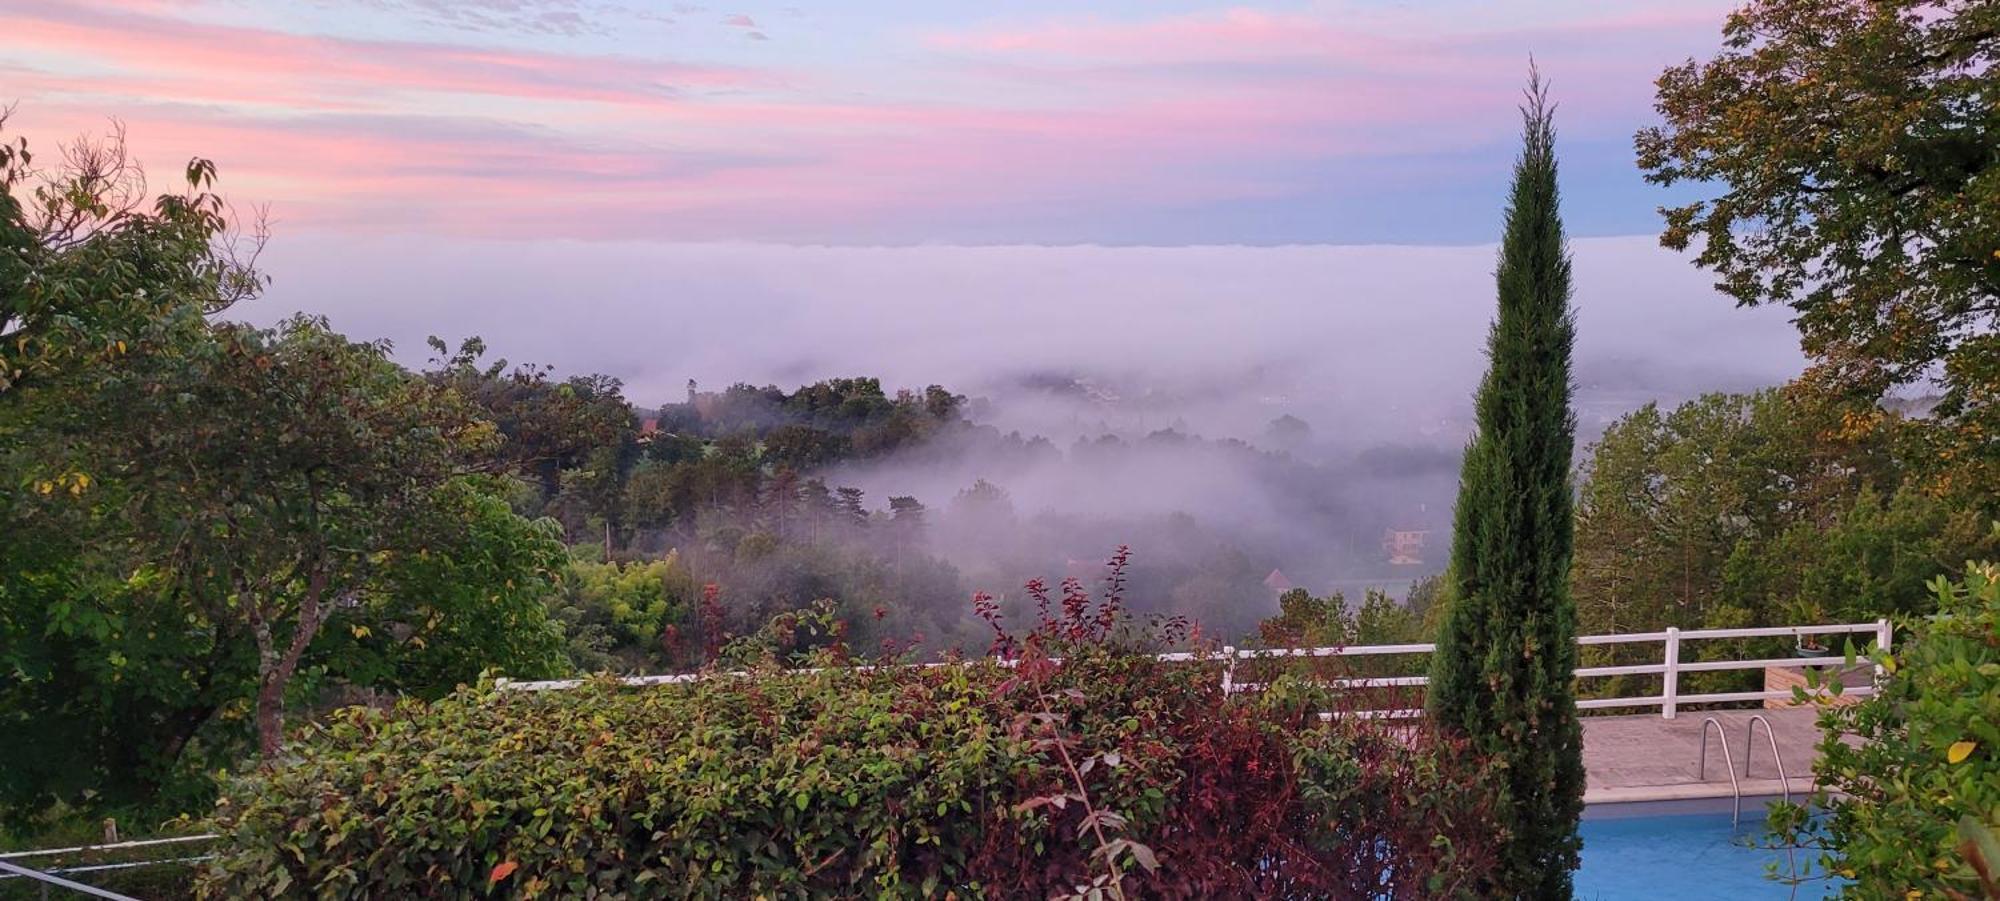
column 1633, row 851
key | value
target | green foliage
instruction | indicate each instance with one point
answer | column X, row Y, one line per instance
column 1677, row 511
column 1307, row 621
column 1908, row 807
column 283, row 469
column 1506, row 651
column 1854, row 148
column 575, row 438
column 113, row 701
column 616, row 615
column 106, row 684
column 1877, row 559
column 188, row 504
column 473, row 597
column 895, row 782
column 251, row 492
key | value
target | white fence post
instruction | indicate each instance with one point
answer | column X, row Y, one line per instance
column 1229, row 671
column 1885, row 636
column 1670, row 681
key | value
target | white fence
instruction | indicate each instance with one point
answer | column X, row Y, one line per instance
column 1670, row 667
column 10, row 868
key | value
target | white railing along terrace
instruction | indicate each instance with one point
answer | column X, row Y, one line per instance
column 1670, row 667
column 47, row 875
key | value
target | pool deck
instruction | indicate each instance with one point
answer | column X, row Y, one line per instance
column 1650, row 758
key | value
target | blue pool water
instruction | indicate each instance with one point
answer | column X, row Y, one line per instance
column 1679, row 855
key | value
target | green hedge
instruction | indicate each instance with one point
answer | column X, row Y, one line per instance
column 899, row 782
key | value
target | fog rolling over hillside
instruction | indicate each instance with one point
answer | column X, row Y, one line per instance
column 1178, row 353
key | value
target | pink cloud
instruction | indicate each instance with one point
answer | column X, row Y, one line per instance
column 314, row 68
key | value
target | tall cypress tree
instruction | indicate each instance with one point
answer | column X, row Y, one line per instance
column 1505, row 656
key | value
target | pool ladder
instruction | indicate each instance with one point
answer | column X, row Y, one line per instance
column 1749, row 749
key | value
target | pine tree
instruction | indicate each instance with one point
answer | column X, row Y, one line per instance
column 1502, row 672
column 851, row 506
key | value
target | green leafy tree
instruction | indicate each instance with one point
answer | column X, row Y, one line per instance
column 1381, row 620
column 1502, row 670
column 475, row 596
column 1878, row 559
column 1304, row 620
column 1857, row 156
column 1751, row 510
column 106, row 682
column 803, row 447
column 582, row 423
column 1307, row 621
column 618, row 615
column 281, row 473
column 652, row 494
column 906, row 525
column 851, row 506
column 1678, row 510
column 817, row 507
column 1735, row 509
column 116, row 695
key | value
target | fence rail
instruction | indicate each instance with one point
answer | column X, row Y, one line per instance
column 1670, row 667
column 46, row 875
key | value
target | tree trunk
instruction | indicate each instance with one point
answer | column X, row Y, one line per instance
column 270, row 714
column 275, row 671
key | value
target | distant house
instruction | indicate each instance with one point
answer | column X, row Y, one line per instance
column 1405, row 547
column 1277, row 582
column 649, row 426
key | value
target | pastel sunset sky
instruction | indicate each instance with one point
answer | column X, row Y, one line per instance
column 1175, row 192
column 863, row 122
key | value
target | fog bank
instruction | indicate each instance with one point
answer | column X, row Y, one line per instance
column 1373, row 350
column 1366, row 343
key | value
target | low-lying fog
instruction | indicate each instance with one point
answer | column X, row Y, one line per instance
column 1374, row 349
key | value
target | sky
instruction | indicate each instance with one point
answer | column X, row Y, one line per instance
column 1297, row 201
column 868, row 122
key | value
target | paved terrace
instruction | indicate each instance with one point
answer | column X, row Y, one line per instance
column 1649, row 758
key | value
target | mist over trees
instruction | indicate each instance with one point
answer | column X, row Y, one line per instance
column 895, row 506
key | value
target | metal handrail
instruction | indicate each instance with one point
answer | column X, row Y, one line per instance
column 55, row 875
column 1749, row 746
column 1701, row 768
column 59, row 882
column 115, row 846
